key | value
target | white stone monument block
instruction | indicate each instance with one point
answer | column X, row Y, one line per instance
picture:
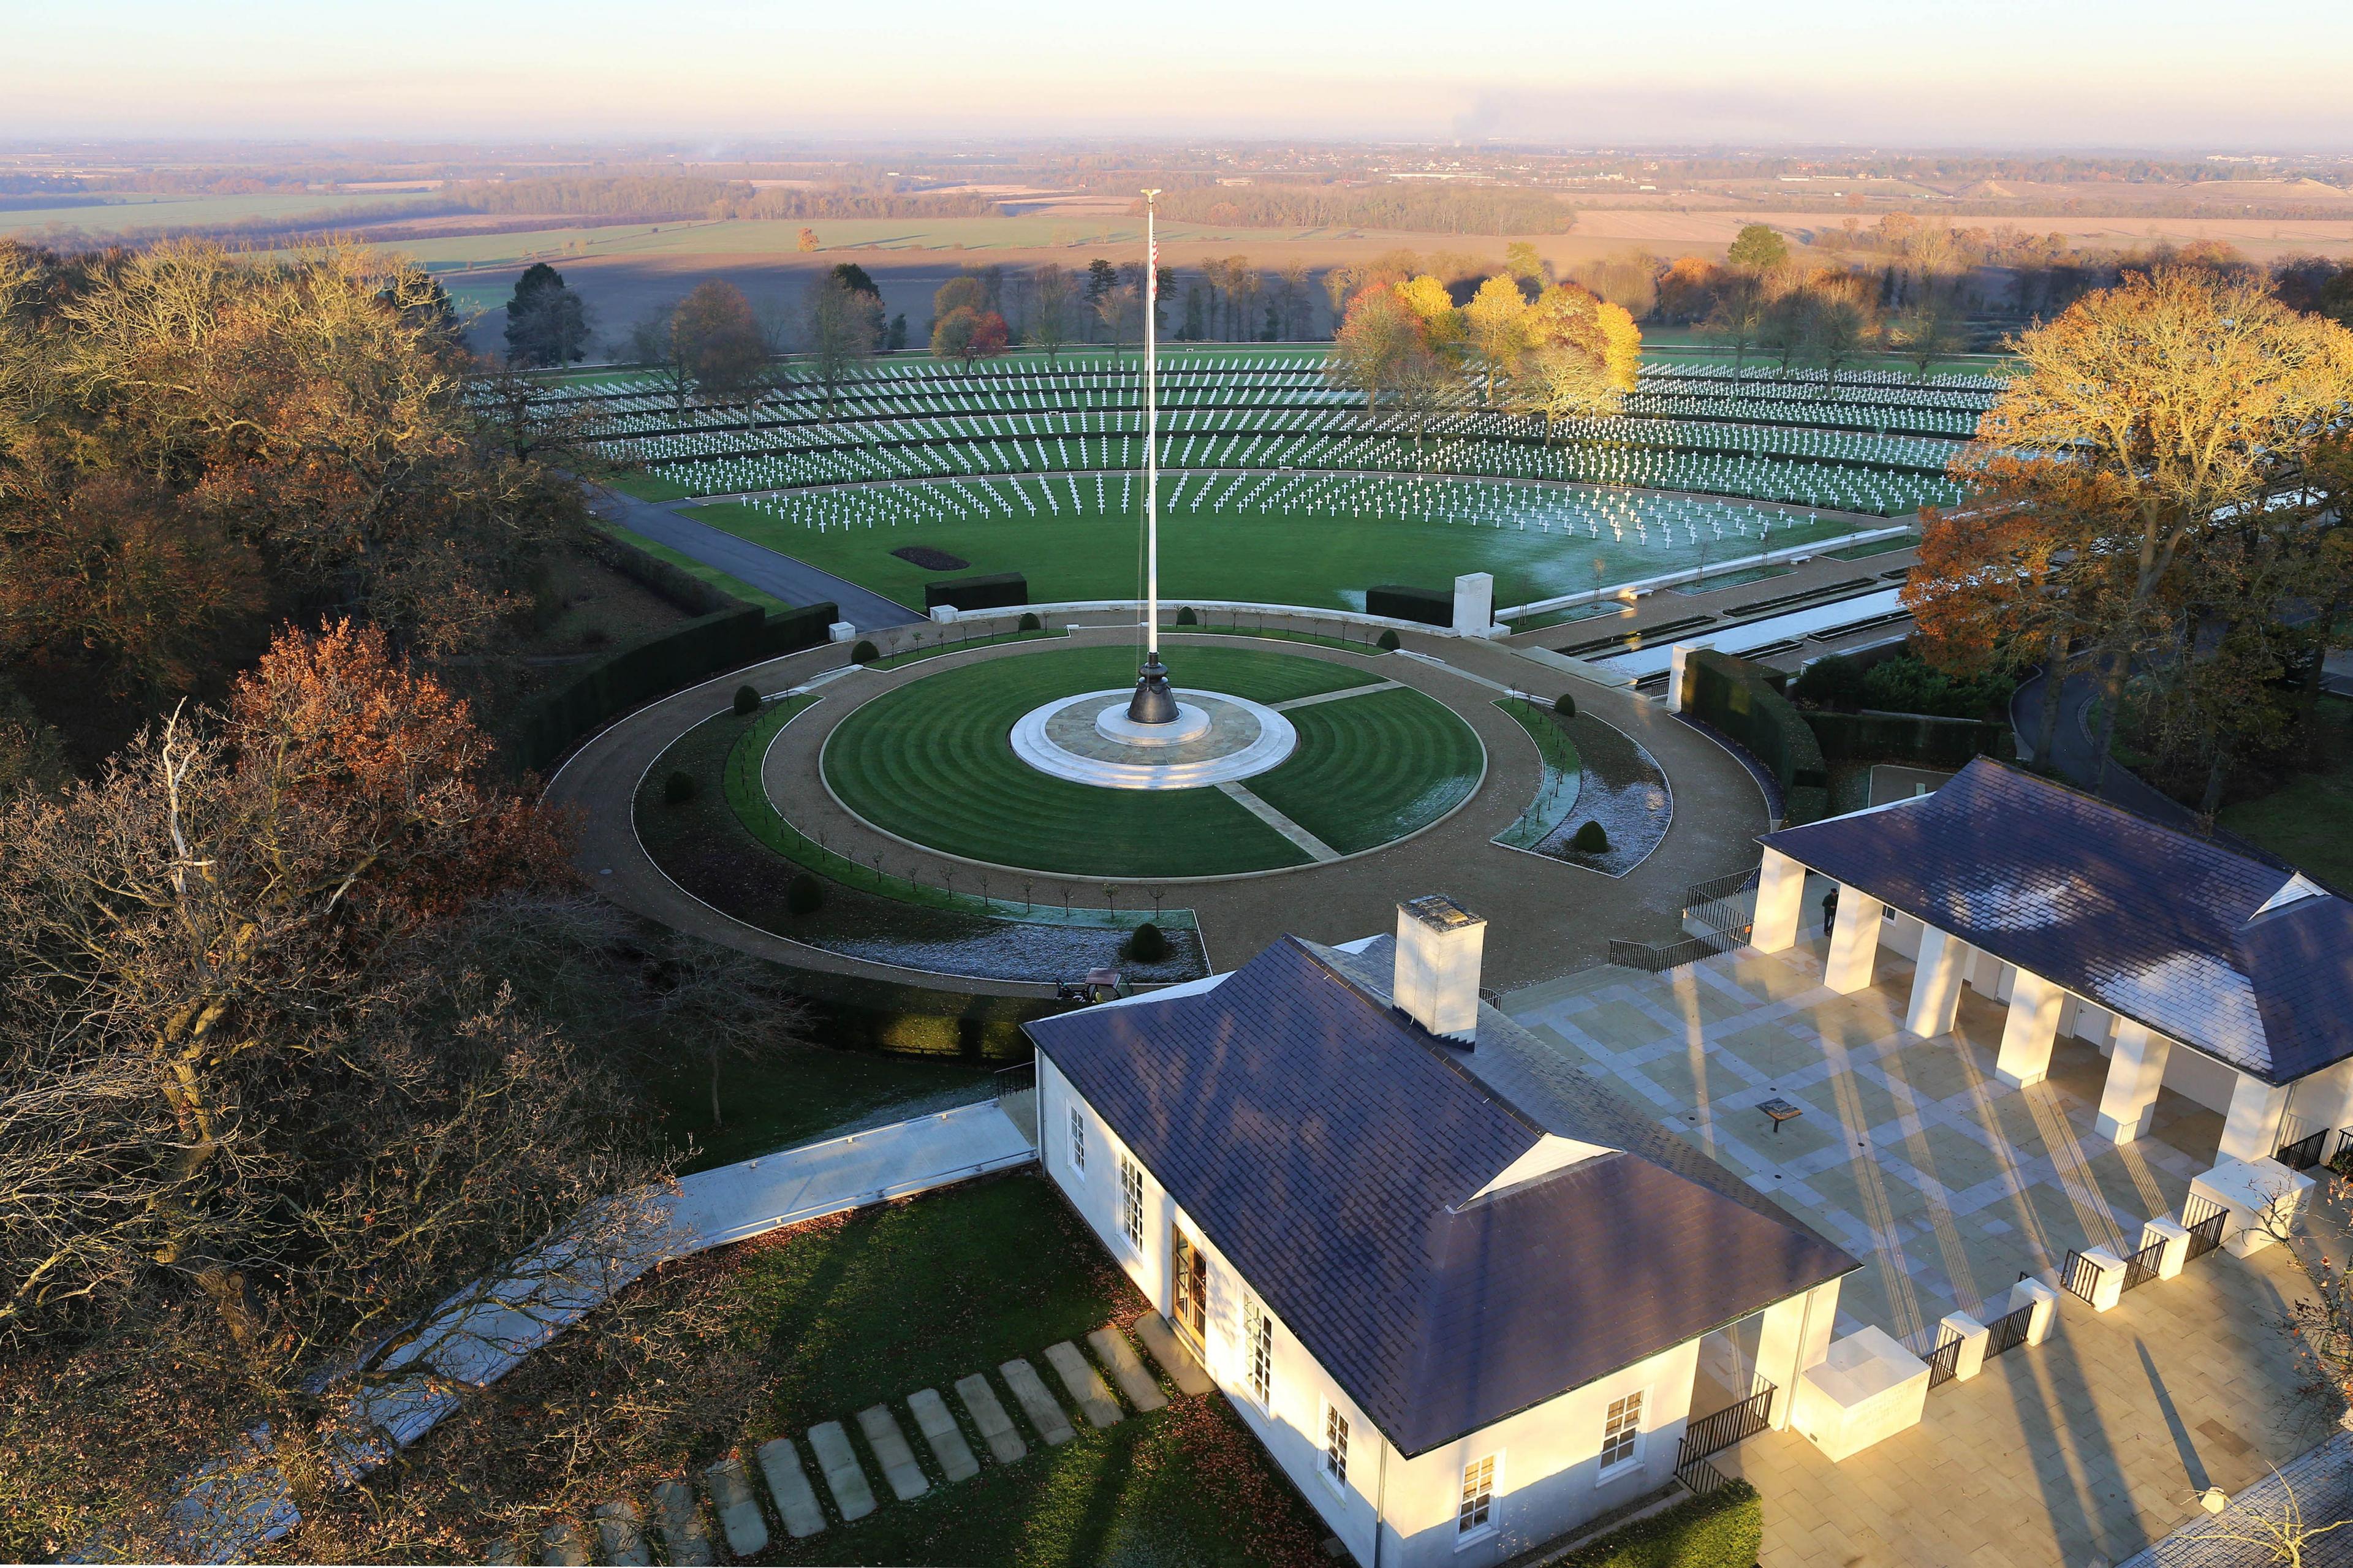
column 2045, row 1302
column 2176, row 1238
column 1972, row 1335
column 1474, row 604
column 2108, row 1277
column 1867, row 1388
column 841, row 631
column 2261, row 1197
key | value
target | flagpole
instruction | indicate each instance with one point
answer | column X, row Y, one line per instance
column 1153, row 703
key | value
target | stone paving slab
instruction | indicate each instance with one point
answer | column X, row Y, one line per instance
column 844, row 1477
column 684, row 1541
column 621, row 1535
column 891, row 1450
column 1186, row 1373
column 739, row 1513
column 981, row 1403
column 1137, row 1385
column 946, row 1439
column 1029, row 1392
column 562, row 1546
column 780, row 1462
column 1084, row 1386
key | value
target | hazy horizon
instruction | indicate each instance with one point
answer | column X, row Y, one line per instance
column 2157, row 76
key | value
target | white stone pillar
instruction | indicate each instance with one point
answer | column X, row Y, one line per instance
column 2251, row 1130
column 2135, row 1072
column 1854, row 941
column 1780, row 903
column 1791, row 1336
column 1675, row 658
column 2027, row 1033
column 2176, row 1241
column 1972, row 1336
column 1937, row 983
column 2043, row 1299
column 2108, row 1277
column 1474, row 604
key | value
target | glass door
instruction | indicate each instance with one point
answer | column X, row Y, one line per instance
column 1191, row 1270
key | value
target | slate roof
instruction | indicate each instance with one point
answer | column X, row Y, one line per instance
column 2158, row 925
column 1331, row 1149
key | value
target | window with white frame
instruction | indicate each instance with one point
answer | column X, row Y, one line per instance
column 1335, row 1447
column 1622, row 1434
column 1078, row 1139
column 1478, row 1505
column 1131, row 1200
column 1258, row 1354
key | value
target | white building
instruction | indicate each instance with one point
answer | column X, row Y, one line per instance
column 1463, row 1293
column 2191, row 965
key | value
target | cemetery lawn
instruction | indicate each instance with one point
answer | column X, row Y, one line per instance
column 1319, row 561
column 874, row 1306
column 930, row 762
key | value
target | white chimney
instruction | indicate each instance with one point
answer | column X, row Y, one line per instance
column 1435, row 982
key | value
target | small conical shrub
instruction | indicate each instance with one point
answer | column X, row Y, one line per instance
column 1185, row 618
column 804, row 895
column 747, row 700
column 1147, row 944
column 1388, row 640
column 679, row 788
column 1592, row 840
column 1565, row 705
column 864, row 653
column 1029, row 621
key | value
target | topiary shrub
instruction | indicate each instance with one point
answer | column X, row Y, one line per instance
column 1030, row 623
column 804, row 895
column 1388, row 641
column 679, row 788
column 1185, row 618
column 1565, row 705
column 864, row 653
column 747, row 700
column 1147, row 944
column 1592, row 838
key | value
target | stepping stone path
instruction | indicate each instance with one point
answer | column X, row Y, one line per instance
column 564, row 1546
column 621, row 1538
column 1175, row 1360
column 890, row 1446
column 1136, row 1384
column 844, row 1477
column 1037, row 1404
column 789, row 1484
column 945, row 1437
column 681, row 1525
column 620, row 1535
column 996, row 1427
column 739, row 1512
column 1077, row 1376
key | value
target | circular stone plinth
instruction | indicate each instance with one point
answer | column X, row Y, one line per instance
column 1076, row 738
column 1190, row 725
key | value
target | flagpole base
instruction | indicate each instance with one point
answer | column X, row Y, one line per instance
column 1153, row 703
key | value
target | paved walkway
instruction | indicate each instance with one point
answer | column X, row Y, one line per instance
column 771, row 571
column 1946, row 1184
column 1718, row 812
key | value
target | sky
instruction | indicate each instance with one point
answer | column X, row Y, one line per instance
column 2156, row 74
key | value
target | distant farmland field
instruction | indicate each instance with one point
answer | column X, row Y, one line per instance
column 136, row 214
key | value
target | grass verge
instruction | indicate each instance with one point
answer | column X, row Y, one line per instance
column 1557, row 791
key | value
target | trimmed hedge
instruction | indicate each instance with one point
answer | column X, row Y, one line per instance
column 1738, row 697
column 857, row 1014
column 734, row 635
column 992, row 591
column 1431, row 607
column 1723, row 1530
column 1923, row 738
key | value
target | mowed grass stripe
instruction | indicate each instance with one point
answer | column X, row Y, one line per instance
column 934, row 762
column 1372, row 768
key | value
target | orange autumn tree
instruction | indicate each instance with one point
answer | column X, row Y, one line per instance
column 270, row 1098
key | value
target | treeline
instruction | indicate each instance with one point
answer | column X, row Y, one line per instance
column 1417, row 208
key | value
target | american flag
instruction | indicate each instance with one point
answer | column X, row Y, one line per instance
column 1151, row 271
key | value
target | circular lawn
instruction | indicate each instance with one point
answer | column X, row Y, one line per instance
column 933, row 763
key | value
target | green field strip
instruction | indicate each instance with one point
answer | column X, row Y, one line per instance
column 1556, row 791
column 1373, row 768
column 696, row 569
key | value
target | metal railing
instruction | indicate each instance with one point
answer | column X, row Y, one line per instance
column 1701, row 1478
column 1016, row 1094
column 2141, row 1266
column 2081, row 1277
column 2007, row 1333
column 2206, row 1228
column 1714, row 1432
column 1945, row 1363
column 1658, row 960
column 2304, row 1153
column 1716, row 904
